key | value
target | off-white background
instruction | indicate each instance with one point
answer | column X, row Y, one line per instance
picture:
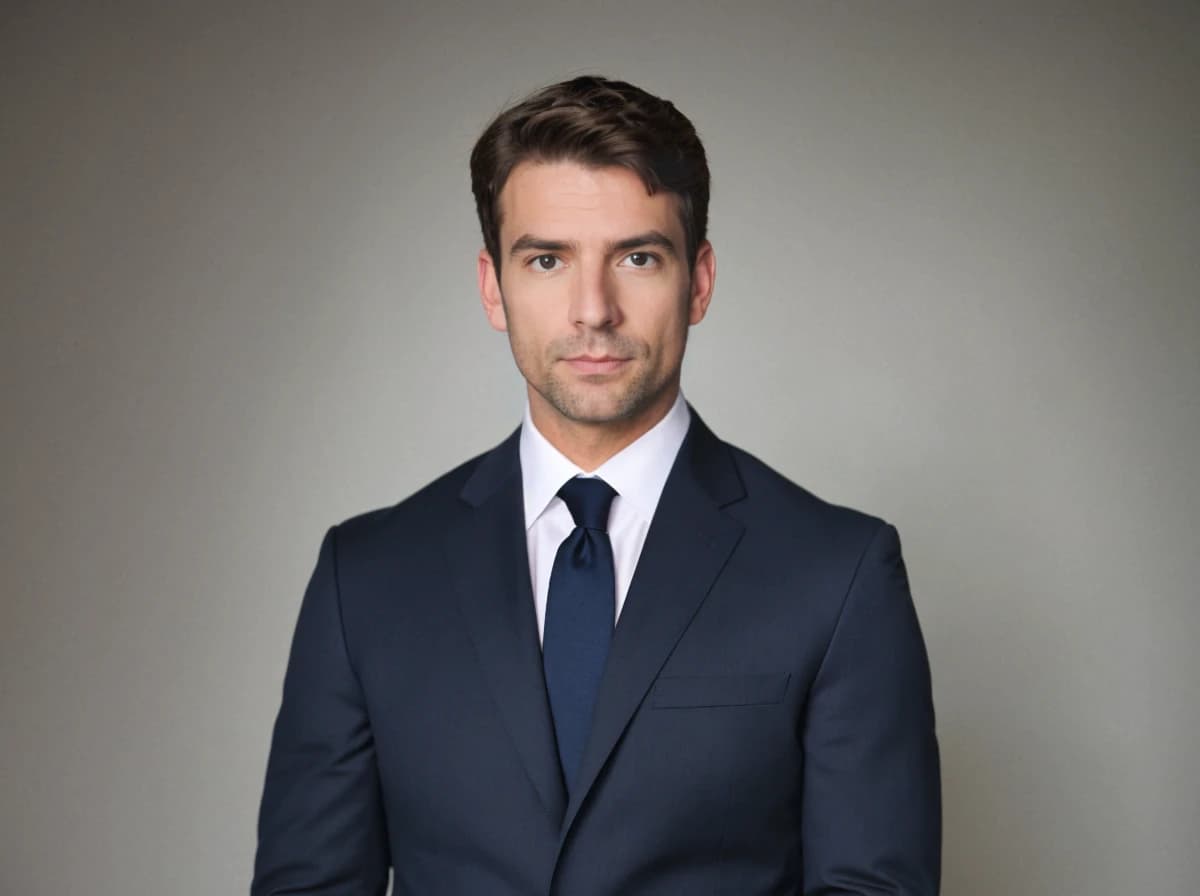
column 958, row 268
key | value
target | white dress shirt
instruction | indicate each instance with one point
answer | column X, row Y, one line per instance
column 637, row 474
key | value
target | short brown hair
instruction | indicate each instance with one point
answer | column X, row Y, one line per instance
column 596, row 122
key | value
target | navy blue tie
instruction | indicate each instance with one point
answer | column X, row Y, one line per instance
column 580, row 610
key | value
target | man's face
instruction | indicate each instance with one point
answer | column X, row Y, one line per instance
column 594, row 292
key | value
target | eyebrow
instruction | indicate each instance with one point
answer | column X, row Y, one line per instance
column 657, row 238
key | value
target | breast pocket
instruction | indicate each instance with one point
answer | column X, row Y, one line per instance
column 682, row 691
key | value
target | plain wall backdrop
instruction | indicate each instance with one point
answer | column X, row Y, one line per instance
column 958, row 267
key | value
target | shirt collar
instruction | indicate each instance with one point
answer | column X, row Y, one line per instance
column 638, row 472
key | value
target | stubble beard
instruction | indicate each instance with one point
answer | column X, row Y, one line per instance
column 596, row 403
column 581, row 404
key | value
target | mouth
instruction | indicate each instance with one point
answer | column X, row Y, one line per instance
column 596, row 364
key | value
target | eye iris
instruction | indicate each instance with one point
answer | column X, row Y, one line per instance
column 638, row 259
column 545, row 262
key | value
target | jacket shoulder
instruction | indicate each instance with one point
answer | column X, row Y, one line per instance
column 771, row 495
column 412, row 517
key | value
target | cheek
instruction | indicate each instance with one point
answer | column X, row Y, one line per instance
column 666, row 327
column 529, row 331
column 536, row 303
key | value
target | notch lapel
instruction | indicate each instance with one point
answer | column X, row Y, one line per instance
column 689, row 541
column 490, row 567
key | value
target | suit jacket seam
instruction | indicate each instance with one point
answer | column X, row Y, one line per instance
column 854, row 577
column 337, row 593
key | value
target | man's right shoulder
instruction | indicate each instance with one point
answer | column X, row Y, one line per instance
column 427, row 512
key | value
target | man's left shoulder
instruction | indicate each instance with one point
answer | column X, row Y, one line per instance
column 773, row 500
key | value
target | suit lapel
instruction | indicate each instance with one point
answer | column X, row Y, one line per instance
column 689, row 541
column 490, row 567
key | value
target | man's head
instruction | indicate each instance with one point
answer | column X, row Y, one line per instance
column 593, row 200
column 598, row 123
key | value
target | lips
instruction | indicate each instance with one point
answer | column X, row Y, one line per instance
column 596, row 364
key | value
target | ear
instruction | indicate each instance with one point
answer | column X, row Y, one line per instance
column 489, row 292
column 704, row 277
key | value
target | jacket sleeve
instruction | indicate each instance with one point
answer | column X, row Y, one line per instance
column 871, row 814
column 321, row 826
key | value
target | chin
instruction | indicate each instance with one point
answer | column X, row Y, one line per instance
column 597, row 405
column 592, row 411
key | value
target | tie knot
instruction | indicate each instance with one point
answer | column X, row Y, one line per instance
column 589, row 500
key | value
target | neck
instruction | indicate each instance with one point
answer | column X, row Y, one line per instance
column 589, row 445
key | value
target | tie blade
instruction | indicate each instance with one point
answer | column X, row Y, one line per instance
column 578, row 631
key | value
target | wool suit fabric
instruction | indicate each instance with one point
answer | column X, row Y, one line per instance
column 764, row 724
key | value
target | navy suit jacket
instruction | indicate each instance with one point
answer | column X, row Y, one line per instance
column 764, row 724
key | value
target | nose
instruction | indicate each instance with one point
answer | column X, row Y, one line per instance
column 594, row 298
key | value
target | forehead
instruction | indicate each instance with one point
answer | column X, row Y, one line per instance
column 568, row 200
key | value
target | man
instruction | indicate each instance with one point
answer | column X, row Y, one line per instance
column 614, row 656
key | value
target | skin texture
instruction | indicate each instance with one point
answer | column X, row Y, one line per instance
column 596, row 296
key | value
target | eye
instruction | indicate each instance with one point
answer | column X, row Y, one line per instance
column 545, row 263
column 641, row 260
